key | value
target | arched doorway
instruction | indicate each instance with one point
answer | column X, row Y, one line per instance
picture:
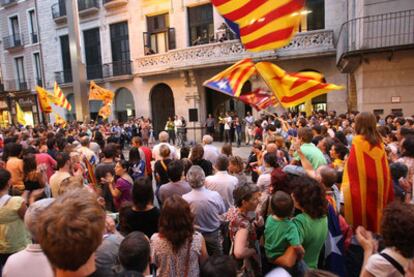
column 71, row 115
column 162, row 106
column 124, row 104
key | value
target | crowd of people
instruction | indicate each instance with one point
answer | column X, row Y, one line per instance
column 325, row 195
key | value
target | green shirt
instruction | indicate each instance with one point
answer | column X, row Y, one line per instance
column 279, row 235
column 313, row 154
column 312, row 234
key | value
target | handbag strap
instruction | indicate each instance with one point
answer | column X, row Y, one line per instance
column 394, row 263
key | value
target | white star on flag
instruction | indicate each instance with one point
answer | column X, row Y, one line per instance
column 331, row 245
column 222, row 84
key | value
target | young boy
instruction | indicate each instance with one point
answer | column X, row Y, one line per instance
column 280, row 232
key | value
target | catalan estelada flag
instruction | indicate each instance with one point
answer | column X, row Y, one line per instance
column 60, row 99
column 258, row 99
column 231, row 80
column 43, row 97
column 263, row 24
column 366, row 184
column 293, row 89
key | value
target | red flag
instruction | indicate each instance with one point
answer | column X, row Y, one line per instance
column 258, row 99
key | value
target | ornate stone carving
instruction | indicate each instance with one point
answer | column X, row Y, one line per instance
column 311, row 43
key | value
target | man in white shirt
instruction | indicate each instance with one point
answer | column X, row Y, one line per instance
column 248, row 129
column 211, row 152
column 222, row 181
column 86, row 152
column 163, row 138
column 227, row 127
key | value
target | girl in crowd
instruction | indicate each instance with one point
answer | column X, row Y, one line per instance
column 121, row 187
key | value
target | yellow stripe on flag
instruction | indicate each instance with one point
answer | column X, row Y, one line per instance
column 20, row 115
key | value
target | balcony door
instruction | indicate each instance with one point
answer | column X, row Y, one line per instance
column 66, row 65
column 201, row 24
column 15, row 30
column 20, row 75
column 160, row 37
column 93, row 54
column 121, row 64
column 33, row 26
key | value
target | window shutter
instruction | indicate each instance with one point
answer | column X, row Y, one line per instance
column 171, row 38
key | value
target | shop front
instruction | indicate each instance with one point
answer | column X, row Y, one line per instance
column 28, row 104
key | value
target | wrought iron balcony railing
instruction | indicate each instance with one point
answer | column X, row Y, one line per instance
column 117, row 68
column 94, row 72
column 376, row 33
column 13, row 41
column 17, row 85
column 305, row 44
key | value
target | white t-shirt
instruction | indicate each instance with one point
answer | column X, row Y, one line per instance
column 380, row 267
column 227, row 124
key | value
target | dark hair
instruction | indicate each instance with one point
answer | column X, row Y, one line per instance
column 29, row 163
column 398, row 170
column 197, row 152
column 405, row 132
column 175, row 170
column 61, row 159
column 305, row 134
column 142, row 192
column 14, row 149
column 243, row 192
column 134, row 252
column 176, row 222
column 124, row 164
column 281, row 204
column 340, row 136
column 184, row 152
column 271, row 159
column 341, row 150
column 310, row 195
column 397, row 227
column 219, row 265
column 109, row 152
column 51, row 142
column 329, row 176
column 317, row 129
column 4, row 178
column 227, row 150
column 134, row 156
column 222, row 162
column 279, row 180
column 408, row 146
column 187, row 164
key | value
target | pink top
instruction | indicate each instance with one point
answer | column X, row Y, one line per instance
column 43, row 158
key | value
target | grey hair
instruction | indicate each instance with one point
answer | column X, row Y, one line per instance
column 196, row 177
column 31, row 218
column 207, row 139
column 163, row 136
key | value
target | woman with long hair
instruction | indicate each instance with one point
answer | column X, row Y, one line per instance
column 366, row 183
column 178, row 250
column 34, row 176
column 137, row 165
column 196, row 157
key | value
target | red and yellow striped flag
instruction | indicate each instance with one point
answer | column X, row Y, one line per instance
column 264, row 24
column 231, row 80
column 60, row 99
column 43, row 97
column 293, row 88
column 99, row 93
column 366, row 184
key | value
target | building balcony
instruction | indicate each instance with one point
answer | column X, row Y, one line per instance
column 373, row 34
column 306, row 44
column 88, row 7
column 117, row 70
column 63, row 77
column 13, row 42
column 112, row 4
column 94, row 72
column 59, row 12
column 17, row 85
column 7, row 3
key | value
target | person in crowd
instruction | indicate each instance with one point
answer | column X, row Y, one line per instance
column 253, row 161
column 338, row 153
column 163, row 137
column 14, row 165
column 371, row 175
column 407, row 158
column 237, row 125
column 31, row 259
column 270, row 163
column 142, row 215
column 207, row 207
column 72, row 253
column 219, row 265
column 210, row 151
column 170, row 128
column 312, row 224
column 401, row 185
column 34, row 176
column 242, row 229
column 228, row 122
column 161, row 167
column 64, row 171
column 135, row 255
column 210, row 124
column 137, row 165
column 51, row 147
column 145, row 154
column 325, row 145
column 106, row 166
column 236, row 168
column 396, row 228
column 121, row 186
column 44, row 159
column 312, row 153
column 86, row 151
column 178, row 249
column 227, row 149
column 196, row 157
column 222, row 181
column 177, row 185
column 248, row 128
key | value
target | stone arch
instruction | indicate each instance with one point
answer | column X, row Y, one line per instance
column 124, row 104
